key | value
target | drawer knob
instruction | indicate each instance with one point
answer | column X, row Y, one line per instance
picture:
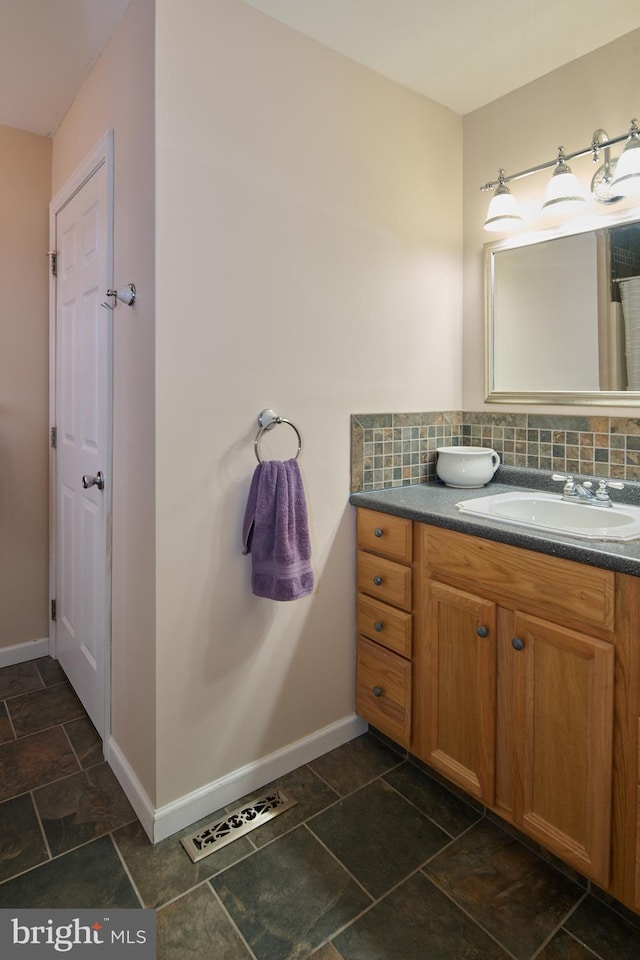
column 377, row 581
column 377, row 626
column 377, row 691
column 482, row 631
column 377, row 532
column 517, row 643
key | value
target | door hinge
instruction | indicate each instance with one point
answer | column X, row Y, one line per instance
column 54, row 610
column 54, row 437
column 54, row 263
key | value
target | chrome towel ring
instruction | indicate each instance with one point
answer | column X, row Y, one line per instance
column 267, row 420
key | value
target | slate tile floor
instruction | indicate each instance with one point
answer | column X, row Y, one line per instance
column 378, row 861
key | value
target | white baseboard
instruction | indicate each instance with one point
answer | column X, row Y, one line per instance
column 21, row 652
column 166, row 820
column 134, row 790
column 192, row 807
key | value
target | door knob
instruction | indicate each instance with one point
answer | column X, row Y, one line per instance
column 97, row 481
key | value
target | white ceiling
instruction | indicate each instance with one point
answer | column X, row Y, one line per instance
column 47, row 49
column 462, row 53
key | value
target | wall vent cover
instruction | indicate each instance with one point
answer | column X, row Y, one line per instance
column 238, row 823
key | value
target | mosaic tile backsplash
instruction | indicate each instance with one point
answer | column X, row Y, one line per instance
column 395, row 449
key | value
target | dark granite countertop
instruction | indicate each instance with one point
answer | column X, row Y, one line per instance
column 434, row 503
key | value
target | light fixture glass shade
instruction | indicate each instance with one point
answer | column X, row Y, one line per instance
column 564, row 195
column 503, row 213
column 626, row 182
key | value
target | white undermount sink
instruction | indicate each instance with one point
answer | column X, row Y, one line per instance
column 547, row 511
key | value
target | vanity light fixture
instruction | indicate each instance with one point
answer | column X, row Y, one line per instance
column 612, row 181
column 564, row 194
column 503, row 213
column 627, row 176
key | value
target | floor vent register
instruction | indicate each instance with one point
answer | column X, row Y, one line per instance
column 236, row 824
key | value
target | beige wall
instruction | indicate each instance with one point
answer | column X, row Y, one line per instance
column 309, row 260
column 119, row 95
column 520, row 130
column 25, row 177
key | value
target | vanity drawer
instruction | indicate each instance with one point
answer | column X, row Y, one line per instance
column 534, row 582
column 384, row 534
column 385, row 625
column 383, row 691
column 384, row 579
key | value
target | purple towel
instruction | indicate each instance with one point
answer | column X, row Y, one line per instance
column 276, row 533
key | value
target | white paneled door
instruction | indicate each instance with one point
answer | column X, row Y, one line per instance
column 82, row 456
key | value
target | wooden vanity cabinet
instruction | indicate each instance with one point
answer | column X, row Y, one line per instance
column 515, row 662
column 521, row 716
column 524, row 690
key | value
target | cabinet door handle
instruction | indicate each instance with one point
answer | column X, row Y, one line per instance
column 378, row 532
column 377, row 691
column 482, row 631
column 517, row 643
column 377, row 626
column 377, row 581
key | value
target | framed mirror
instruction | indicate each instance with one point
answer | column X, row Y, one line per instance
column 562, row 313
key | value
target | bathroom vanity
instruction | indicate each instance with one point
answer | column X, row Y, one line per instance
column 509, row 662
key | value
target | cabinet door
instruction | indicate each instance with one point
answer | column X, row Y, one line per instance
column 457, row 712
column 563, row 742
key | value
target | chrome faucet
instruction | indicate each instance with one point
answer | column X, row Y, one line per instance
column 582, row 492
